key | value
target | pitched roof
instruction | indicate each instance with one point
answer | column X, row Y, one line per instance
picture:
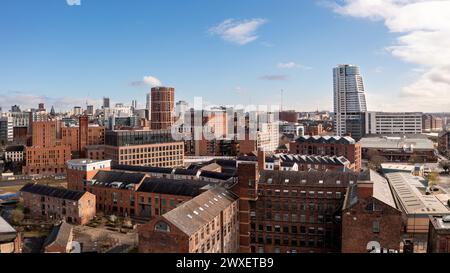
column 326, row 139
column 60, row 193
column 60, row 235
column 216, row 175
column 7, row 232
column 142, row 169
column 173, row 187
column 190, row 216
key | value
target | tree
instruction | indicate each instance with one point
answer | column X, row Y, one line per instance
column 433, row 179
column 17, row 216
column 376, row 161
column 445, row 165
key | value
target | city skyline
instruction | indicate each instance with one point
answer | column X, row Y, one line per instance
column 62, row 55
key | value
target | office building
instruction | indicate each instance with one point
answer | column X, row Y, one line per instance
column 432, row 123
column 144, row 148
column 389, row 123
column 6, row 130
column 106, row 102
column 349, row 101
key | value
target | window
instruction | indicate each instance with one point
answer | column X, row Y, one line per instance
column 376, row 227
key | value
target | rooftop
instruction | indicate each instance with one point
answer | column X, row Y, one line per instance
column 17, row 148
column 406, row 142
column 86, row 161
column 60, row 235
column 5, row 227
column 190, row 216
column 117, row 179
column 410, row 191
column 60, row 193
column 441, row 222
column 381, row 189
column 173, row 187
column 326, row 139
column 142, row 169
column 309, row 178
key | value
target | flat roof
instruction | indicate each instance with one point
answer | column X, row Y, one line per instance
column 383, row 142
column 86, row 161
column 411, row 194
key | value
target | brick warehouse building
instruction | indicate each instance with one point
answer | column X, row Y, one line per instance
column 439, row 235
column 371, row 219
column 206, row 224
column 132, row 191
column 301, row 212
column 50, row 203
column 330, row 146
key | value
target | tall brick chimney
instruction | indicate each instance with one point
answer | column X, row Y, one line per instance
column 365, row 189
column 261, row 160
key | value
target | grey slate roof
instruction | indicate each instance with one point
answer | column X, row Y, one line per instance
column 60, row 193
column 190, row 216
column 60, row 235
column 142, row 169
column 326, row 139
column 173, row 187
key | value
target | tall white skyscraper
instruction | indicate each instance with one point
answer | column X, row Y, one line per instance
column 148, row 105
column 349, row 101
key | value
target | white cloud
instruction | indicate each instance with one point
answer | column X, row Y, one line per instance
column 238, row 32
column 290, row 65
column 423, row 27
column 152, row 81
column 73, row 2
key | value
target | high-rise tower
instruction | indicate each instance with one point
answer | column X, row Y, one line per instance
column 163, row 104
column 349, row 101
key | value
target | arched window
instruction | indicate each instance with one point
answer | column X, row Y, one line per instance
column 162, row 227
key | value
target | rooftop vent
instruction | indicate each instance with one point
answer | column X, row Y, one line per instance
column 446, row 219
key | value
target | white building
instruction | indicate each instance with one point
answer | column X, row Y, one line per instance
column 349, row 100
column 14, row 153
column 295, row 129
column 381, row 123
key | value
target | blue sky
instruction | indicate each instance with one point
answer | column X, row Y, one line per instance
column 65, row 54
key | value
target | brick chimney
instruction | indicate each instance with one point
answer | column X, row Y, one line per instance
column 365, row 190
column 261, row 160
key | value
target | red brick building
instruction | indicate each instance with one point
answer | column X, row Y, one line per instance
column 162, row 107
column 47, row 155
column 79, row 137
column 330, row 146
column 371, row 220
column 60, row 239
column 50, row 203
column 439, row 235
column 206, row 224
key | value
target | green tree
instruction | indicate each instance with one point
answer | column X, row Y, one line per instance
column 433, row 179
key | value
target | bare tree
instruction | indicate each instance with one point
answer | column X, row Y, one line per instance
column 445, row 165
